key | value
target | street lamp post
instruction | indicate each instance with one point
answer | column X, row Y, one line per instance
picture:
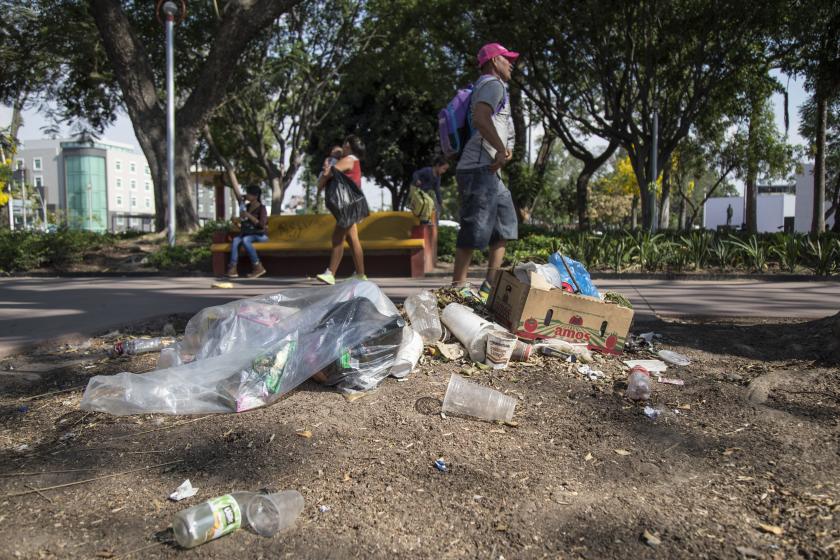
column 654, row 168
column 170, row 11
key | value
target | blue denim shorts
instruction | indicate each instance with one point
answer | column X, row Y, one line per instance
column 487, row 212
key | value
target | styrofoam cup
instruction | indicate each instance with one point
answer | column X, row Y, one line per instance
column 500, row 345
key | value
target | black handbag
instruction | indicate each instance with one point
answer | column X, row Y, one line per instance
column 345, row 200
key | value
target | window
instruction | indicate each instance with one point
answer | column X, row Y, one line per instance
column 36, row 164
column 147, row 186
column 119, row 183
column 119, row 200
column 118, row 165
column 39, row 181
column 133, row 184
column 133, row 202
column 148, row 203
column 19, row 163
column 147, row 171
column 132, row 167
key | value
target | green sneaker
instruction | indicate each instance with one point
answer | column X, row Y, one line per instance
column 327, row 277
column 359, row 277
column 484, row 291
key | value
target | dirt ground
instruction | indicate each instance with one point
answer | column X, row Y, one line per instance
column 743, row 462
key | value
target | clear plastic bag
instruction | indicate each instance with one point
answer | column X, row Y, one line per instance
column 249, row 353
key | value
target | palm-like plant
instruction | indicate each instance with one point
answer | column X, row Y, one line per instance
column 823, row 255
column 753, row 252
column 788, row 249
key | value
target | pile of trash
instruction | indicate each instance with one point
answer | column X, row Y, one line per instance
column 249, row 353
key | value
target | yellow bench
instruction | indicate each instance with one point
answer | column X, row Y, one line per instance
column 395, row 244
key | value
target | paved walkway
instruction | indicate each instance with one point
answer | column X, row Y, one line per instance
column 35, row 310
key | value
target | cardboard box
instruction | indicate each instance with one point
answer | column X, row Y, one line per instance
column 538, row 310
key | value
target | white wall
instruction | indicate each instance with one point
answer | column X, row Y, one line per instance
column 714, row 212
column 805, row 200
column 771, row 211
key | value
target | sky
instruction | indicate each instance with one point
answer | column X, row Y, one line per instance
column 122, row 131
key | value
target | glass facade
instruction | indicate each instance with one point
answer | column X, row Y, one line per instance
column 87, row 200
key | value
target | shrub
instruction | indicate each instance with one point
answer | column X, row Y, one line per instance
column 181, row 258
column 205, row 234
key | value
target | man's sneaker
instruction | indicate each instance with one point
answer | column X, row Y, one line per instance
column 258, row 271
column 327, row 277
column 231, row 272
column 358, row 277
column 484, row 291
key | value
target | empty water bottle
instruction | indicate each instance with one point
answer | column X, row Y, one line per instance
column 264, row 513
column 211, row 519
column 138, row 346
column 422, row 311
column 638, row 384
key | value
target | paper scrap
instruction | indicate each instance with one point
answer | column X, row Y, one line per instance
column 184, row 491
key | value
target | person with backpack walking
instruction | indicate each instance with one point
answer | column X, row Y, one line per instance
column 427, row 179
column 253, row 225
column 488, row 217
column 345, row 200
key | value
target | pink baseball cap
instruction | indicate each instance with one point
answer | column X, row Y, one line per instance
column 491, row 50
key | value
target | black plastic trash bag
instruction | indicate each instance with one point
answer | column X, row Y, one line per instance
column 345, row 200
column 361, row 366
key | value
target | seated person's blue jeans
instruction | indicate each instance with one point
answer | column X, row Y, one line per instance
column 248, row 242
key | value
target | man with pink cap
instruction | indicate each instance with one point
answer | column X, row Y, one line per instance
column 488, row 217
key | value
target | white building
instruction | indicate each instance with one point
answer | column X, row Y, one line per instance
column 96, row 185
column 779, row 208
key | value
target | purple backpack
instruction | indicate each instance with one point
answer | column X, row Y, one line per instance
column 455, row 122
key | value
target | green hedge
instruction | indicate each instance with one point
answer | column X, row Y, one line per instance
column 623, row 251
column 21, row 251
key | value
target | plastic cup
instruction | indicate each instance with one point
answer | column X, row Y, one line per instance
column 422, row 311
column 500, row 346
column 673, row 358
column 168, row 358
column 469, row 399
column 268, row 514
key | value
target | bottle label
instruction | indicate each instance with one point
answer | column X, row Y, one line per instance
column 227, row 517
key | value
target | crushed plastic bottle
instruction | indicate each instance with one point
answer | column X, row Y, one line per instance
column 264, row 513
column 138, row 346
column 638, row 384
column 422, row 311
column 559, row 348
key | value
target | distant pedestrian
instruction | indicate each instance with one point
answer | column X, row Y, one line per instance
column 427, row 179
column 488, row 217
column 253, row 227
column 350, row 166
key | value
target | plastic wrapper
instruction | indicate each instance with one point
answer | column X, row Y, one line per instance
column 345, row 200
column 249, row 353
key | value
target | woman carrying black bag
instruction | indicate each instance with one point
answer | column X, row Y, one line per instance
column 347, row 203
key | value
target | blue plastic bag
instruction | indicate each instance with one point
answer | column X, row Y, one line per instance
column 581, row 275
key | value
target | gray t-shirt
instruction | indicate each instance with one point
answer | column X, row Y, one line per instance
column 478, row 153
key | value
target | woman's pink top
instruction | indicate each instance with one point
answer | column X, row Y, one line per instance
column 356, row 172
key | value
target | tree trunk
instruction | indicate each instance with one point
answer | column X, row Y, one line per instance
column 683, row 214
column 582, row 196
column 818, row 219
column 186, row 217
column 278, row 192
column 153, row 143
column 17, row 118
column 634, row 211
column 665, row 200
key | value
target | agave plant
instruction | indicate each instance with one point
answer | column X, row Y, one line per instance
column 619, row 252
column 696, row 248
column 823, row 255
column 753, row 252
column 650, row 250
column 788, row 249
